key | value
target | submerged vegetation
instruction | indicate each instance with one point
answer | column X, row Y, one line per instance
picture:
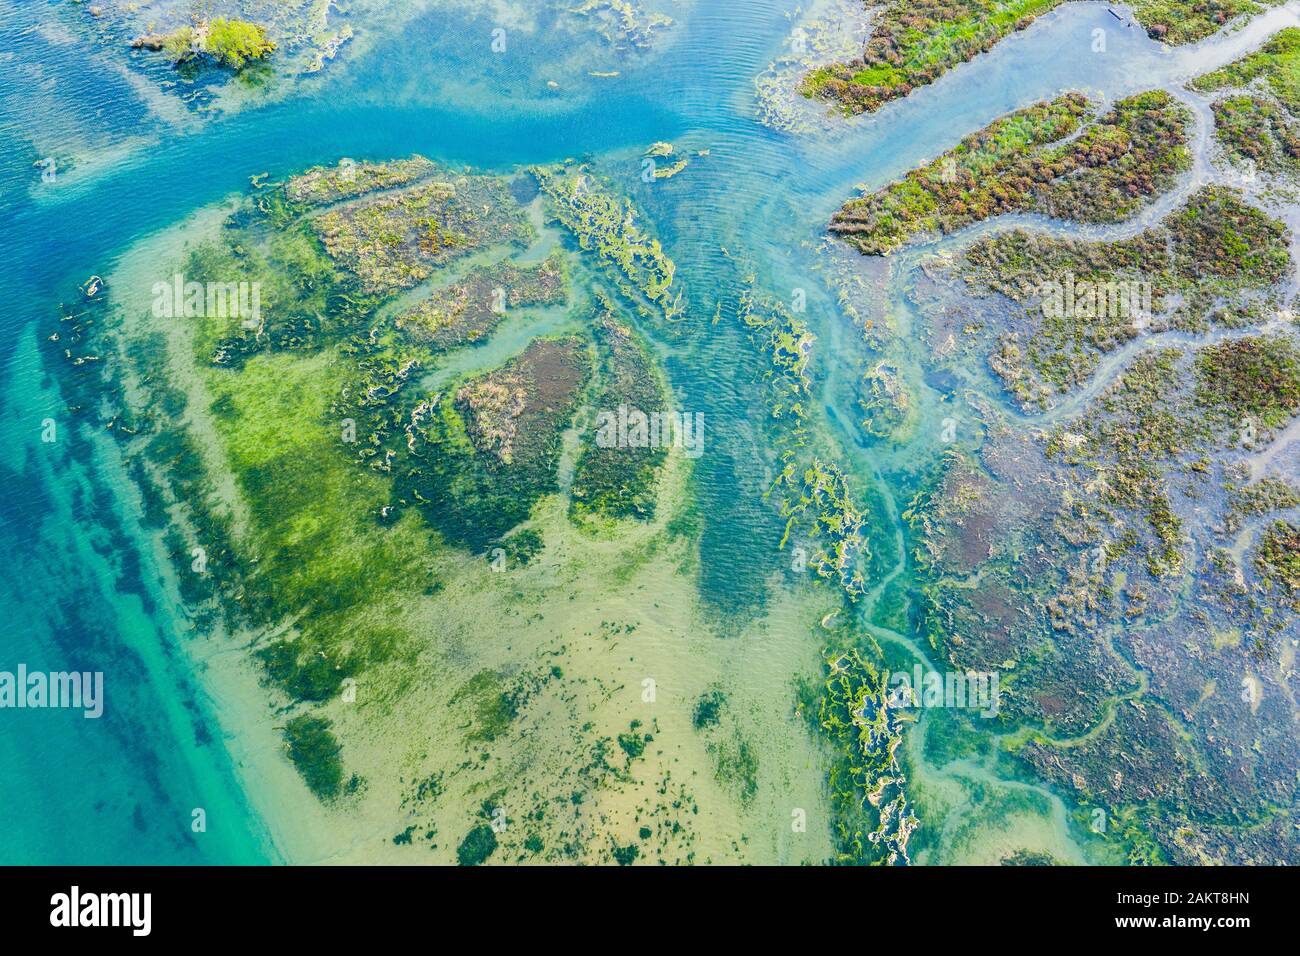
column 819, row 508
column 271, row 47
column 787, row 343
column 489, row 451
column 479, row 844
column 329, row 184
column 872, row 820
column 1118, row 546
column 314, row 750
column 469, row 311
column 608, row 226
column 395, row 241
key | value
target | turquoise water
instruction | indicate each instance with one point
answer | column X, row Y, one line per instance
column 77, row 587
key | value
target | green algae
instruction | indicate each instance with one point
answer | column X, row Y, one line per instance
column 708, row 709
column 607, row 225
column 316, row 502
column 612, row 481
column 306, row 302
column 623, row 23
column 633, row 743
column 316, row 678
column 786, row 342
column 819, row 507
column 479, row 844
column 315, row 750
column 522, row 547
column 316, row 544
column 304, row 546
column 871, row 819
column 735, row 763
column 886, row 403
column 625, row 855
column 492, row 707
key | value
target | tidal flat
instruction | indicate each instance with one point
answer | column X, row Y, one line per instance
column 568, row 458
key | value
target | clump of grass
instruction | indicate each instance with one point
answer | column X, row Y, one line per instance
column 1257, row 377
column 1278, row 559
